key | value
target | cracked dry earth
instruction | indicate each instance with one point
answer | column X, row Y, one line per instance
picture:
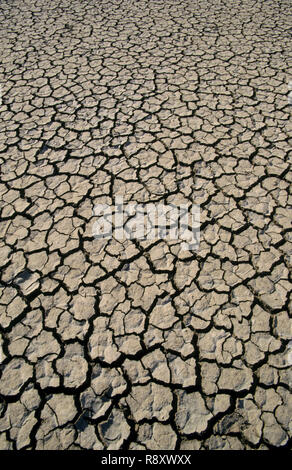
column 137, row 344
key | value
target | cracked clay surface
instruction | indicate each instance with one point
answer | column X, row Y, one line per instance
column 138, row 344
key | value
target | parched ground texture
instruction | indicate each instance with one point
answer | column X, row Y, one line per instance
column 138, row 344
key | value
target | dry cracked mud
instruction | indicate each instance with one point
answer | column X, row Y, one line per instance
column 138, row 344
